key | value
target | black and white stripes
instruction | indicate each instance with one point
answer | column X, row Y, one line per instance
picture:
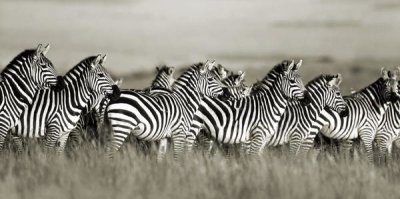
column 156, row 117
column 251, row 119
column 21, row 79
column 54, row 113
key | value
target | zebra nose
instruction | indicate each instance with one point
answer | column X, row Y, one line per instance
column 393, row 97
column 344, row 113
column 306, row 100
column 116, row 93
column 60, row 84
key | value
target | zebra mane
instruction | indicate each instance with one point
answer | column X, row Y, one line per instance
column 83, row 65
column 365, row 89
column 271, row 76
column 162, row 72
column 191, row 70
column 15, row 62
column 320, row 78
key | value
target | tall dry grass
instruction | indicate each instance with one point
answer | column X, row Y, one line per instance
column 87, row 173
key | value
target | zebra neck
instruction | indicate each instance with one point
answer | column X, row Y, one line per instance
column 78, row 94
column 315, row 107
column 161, row 82
column 372, row 98
column 19, row 84
column 274, row 96
column 187, row 95
column 318, row 100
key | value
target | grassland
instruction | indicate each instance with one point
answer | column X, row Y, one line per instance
column 88, row 174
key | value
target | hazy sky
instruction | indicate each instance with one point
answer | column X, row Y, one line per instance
column 138, row 35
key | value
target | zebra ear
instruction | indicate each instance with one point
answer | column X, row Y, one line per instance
column 38, row 51
column 96, row 61
column 338, row 79
column 119, row 82
column 384, row 73
column 103, row 59
column 352, row 90
column 331, row 80
column 46, row 49
column 247, row 90
column 222, row 71
column 242, row 74
column 170, row 70
column 298, row 65
column 240, row 77
column 207, row 66
column 290, row 67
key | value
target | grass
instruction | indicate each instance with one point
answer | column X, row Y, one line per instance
column 87, row 173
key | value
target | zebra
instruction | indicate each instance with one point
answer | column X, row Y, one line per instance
column 89, row 117
column 57, row 112
column 160, row 85
column 234, row 89
column 295, row 123
column 251, row 119
column 21, row 80
column 366, row 109
column 156, row 117
column 388, row 131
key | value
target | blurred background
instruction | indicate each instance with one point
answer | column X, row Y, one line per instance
column 355, row 38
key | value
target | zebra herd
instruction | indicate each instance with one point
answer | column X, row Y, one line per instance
column 207, row 103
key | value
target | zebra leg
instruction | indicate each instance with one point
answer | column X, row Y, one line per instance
column 3, row 133
column 162, row 149
column 345, row 147
column 245, row 147
column 208, row 145
column 17, row 142
column 295, row 144
column 306, row 145
column 383, row 143
column 178, row 140
column 206, row 142
column 367, row 139
column 258, row 141
column 190, row 140
column 118, row 137
column 74, row 138
column 62, row 141
column 52, row 135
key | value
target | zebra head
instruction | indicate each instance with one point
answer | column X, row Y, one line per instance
column 334, row 98
column 291, row 84
column 234, row 80
column 232, row 93
column 390, row 90
column 209, row 85
column 219, row 72
column 234, row 88
column 164, row 78
column 99, row 79
column 42, row 70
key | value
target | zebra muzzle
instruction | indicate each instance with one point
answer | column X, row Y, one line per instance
column 116, row 93
column 306, row 100
column 60, row 84
column 344, row 113
column 394, row 98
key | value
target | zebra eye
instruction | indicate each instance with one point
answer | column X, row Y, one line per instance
column 101, row 75
column 292, row 81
